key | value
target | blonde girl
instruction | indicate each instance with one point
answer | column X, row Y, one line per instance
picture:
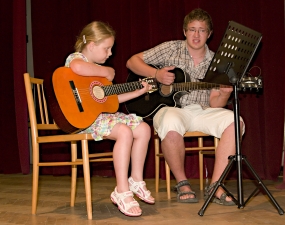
column 130, row 133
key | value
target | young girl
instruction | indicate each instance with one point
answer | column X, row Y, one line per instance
column 93, row 47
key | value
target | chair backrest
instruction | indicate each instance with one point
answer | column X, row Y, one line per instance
column 39, row 119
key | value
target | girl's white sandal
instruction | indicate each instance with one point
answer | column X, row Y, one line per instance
column 138, row 189
column 118, row 199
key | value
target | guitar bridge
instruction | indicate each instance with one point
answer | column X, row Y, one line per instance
column 76, row 96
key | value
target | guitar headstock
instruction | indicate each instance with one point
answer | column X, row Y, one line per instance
column 152, row 82
column 250, row 83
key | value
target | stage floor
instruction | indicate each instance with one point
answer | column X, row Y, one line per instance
column 54, row 195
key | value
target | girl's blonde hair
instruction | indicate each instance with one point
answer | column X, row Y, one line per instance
column 93, row 32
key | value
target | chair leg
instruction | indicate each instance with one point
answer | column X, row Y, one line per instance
column 73, row 173
column 201, row 168
column 35, row 188
column 87, row 183
column 216, row 141
column 167, row 173
column 35, row 178
column 157, row 160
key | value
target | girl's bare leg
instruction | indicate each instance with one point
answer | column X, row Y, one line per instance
column 141, row 136
column 123, row 136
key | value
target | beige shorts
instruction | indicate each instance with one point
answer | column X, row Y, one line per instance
column 212, row 121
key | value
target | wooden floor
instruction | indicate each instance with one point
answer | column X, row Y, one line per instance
column 53, row 206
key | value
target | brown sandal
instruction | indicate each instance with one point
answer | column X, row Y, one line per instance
column 221, row 201
column 181, row 193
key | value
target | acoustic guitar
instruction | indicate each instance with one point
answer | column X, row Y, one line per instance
column 78, row 100
column 168, row 95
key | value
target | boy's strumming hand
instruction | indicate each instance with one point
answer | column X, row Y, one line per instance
column 164, row 76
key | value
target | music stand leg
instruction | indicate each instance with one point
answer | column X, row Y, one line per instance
column 238, row 158
column 218, row 184
column 280, row 210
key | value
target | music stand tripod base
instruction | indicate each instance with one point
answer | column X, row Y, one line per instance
column 228, row 66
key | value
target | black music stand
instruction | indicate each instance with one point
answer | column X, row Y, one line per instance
column 228, row 66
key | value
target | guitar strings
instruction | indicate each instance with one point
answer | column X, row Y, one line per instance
column 115, row 88
column 197, row 86
column 249, row 73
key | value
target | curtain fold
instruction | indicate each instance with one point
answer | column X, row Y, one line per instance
column 14, row 146
column 20, row 67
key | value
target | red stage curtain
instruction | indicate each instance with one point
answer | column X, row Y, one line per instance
column 141, row 24
column 14, row 144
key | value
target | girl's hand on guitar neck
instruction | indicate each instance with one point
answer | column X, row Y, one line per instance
column 146, row 87
column 164, row 76
column 134, row 94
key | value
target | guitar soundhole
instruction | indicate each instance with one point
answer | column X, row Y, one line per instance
column 165, row 90
column 97, row 92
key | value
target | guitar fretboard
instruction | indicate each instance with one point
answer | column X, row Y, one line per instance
column 196, row 86
column 117, row 89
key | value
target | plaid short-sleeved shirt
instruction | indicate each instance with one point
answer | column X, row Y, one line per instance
column 175, row 53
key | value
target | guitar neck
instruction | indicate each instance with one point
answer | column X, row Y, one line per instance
column 117, row 89
column 196, row 86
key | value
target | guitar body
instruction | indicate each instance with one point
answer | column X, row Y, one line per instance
column 79, row 115
column 147, row 105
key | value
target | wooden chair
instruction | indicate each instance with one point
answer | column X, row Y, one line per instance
column 42, row 123
column 200, row 148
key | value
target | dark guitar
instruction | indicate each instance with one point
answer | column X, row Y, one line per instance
column 77, row 101
column 168, row 95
